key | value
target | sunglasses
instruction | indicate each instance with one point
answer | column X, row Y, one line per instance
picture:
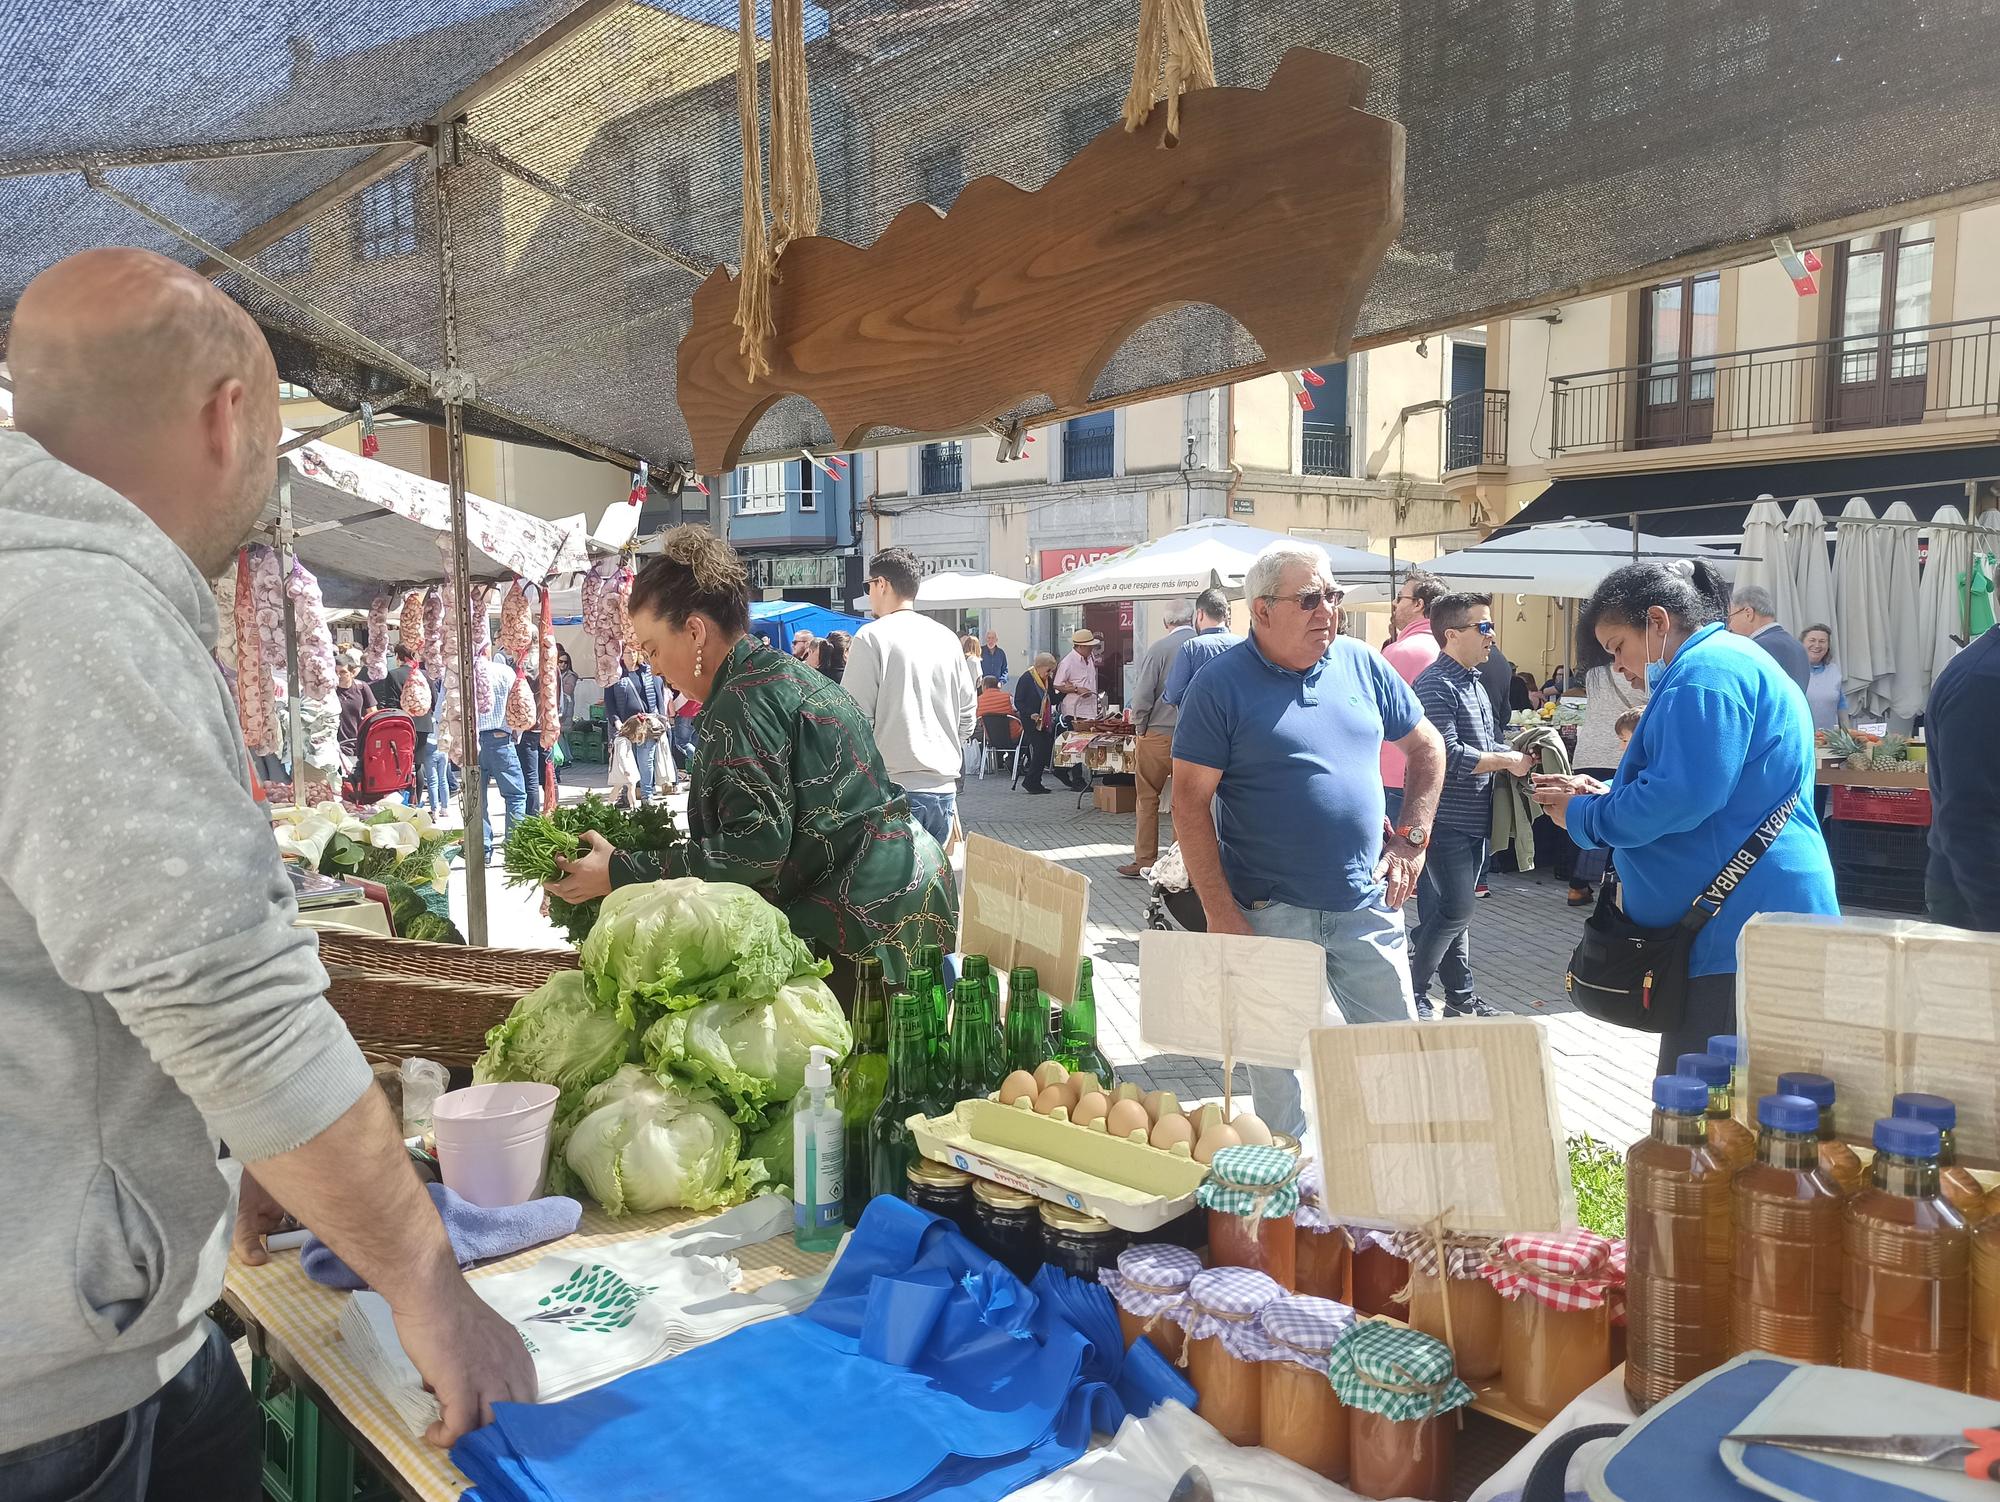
column 1309, row 600
column 1485, row 628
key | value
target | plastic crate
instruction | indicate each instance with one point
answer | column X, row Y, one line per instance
column 1891, row 849
column 306, row 1459
column 1882, row 805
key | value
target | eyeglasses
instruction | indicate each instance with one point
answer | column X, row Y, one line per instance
column 1486, row 628
column 1309, row 600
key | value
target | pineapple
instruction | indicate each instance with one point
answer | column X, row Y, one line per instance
column 1883, row 763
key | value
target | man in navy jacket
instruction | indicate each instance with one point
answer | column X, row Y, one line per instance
column 1961, row 727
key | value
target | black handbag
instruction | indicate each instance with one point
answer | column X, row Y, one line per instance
column 1638, row 977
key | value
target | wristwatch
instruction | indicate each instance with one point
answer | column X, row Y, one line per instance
column 1416, row 836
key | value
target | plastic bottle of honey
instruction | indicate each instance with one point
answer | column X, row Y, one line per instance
column 1732, row 1048
column 1727, row 1137
column 1905, row 1292
column 1959, row 1188
column 1985, row 1381
column 1677, row 1246
column 1785, row 1292
column 1842, row 1164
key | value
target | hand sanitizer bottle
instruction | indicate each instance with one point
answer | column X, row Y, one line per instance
column 819, row 1150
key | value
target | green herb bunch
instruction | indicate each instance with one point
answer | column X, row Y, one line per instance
column 538, row 841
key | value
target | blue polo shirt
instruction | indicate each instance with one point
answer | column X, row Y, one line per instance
column 1196, row 653
column 1299, row 809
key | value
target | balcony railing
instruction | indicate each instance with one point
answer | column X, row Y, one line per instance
column 1326, row 449
column 1475, row 429
column 941, row 469
column 1088, row 453
column 1829, row 385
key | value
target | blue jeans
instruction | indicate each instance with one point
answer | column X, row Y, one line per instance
column 934, row 811
column 1367, row 970
column 499, row 765
column 646, row 756
column 1441, row 943
column 680, row 735
column 434, row 778
column 195, row 1440
column 532, row 757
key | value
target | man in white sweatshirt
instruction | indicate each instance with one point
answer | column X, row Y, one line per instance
column 907, row 672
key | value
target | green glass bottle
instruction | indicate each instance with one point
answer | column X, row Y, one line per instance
column 1079, row 1029
column 1027, row 1030
column 863, row 1077
column 978, row 1063
column 907, row 1093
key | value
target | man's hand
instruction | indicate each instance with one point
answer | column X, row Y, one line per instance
column 589, row 875
column 1555, row 803
column 1524, row 763
column 1575, row 783
column 1229, row 920
column 257, row 1216
column 469, row 1357
column 1402, row 863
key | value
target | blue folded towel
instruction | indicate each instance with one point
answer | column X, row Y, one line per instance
column 476, row 1233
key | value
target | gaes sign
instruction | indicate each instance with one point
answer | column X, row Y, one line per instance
column 1059, row 561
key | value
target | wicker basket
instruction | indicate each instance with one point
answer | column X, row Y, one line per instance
column 404, row 997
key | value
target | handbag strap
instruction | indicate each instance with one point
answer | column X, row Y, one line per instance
column 1762, row 838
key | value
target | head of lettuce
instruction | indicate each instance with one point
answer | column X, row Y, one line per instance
column 641, row 1145
column 753, row 1053
column 670, row 945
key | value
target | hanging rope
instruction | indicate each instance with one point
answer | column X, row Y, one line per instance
column 1173, row 38
column 794, row 198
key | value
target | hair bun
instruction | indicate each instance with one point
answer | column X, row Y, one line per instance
column 1682, row 566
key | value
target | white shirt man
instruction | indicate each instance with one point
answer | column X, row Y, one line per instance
column 1076, row 675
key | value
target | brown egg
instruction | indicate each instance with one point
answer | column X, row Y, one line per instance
column 1172, row 1131
column 1251, row 1129
column 1162, row 1103
column 1020, row 1085
column 1092, row 1109
column 1051, row 1101
column 1083, row 1082
column 1127, row 1091
column 1213, row 1141
column 1126, row 1117
column 1050, row 1072
column 1201, row 1118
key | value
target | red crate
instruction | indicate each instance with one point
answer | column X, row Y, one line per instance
column 1882, row 805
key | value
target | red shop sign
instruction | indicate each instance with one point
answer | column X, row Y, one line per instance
column 1059, row 561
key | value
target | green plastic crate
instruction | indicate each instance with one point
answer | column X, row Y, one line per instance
column 306, row 1459
column 587, row 743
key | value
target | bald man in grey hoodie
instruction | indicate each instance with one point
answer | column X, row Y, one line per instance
column 156, row 996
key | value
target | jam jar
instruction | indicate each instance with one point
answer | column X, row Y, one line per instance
column 1225, row 1345
column 1323, row 1255
column 942, row 1190
column 1452, row 1300
column 1251, row 1194
column 1556, row 1333
column 1079, row 1243
column 1402, row 1396
column 1008, row 1227
column 1302, row 1419
column 1379, row 1275
column 1149, row 1285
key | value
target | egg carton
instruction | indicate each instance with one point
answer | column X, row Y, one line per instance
column 1123, row 1111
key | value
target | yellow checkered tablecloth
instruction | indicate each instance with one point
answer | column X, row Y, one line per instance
column 297, row 1317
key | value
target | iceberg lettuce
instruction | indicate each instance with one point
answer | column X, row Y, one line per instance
column 642, row 1146
column 670, row 945
column 753, row 1052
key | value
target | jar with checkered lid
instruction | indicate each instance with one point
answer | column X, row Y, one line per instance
column 1380, row 1277
column 1555, row 1331
column 1323, row 1251
column 1224, row 1345
column 1450, row 1299
column 1401, row 1393
column 1303, row 1420
column 1149, row 1285
column 1250, row 1195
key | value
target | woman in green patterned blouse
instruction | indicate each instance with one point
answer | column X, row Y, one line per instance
column 787, row 794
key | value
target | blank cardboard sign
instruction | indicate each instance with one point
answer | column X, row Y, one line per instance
column 1421, row 1122
column 1023, row 909
column 1232, row 996
column 1879, row 1006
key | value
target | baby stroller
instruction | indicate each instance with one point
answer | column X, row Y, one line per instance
column 386, row 759
column 1173, row 904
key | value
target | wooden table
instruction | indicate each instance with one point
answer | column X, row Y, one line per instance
column 291, row 1321
column 1846, row 777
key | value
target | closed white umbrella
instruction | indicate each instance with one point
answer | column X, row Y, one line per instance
column 1941, row 595
column 1206, row 554
column 1563, row 560
column 1812, row 572
column 1861, row 614
column 1895, row 569
column 1767, row 556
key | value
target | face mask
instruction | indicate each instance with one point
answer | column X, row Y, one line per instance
column 1655, row 668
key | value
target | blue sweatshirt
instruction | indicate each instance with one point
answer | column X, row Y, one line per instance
column 1725, row 739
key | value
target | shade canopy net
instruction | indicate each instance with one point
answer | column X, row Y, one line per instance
column 1552, row 146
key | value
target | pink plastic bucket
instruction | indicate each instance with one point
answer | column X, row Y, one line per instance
column 493, row 1141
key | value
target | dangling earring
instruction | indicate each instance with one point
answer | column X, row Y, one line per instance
column 697, row 662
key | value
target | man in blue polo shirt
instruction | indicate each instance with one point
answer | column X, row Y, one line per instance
column 1212, row 637
column 1455, row 701
column 1280, row 812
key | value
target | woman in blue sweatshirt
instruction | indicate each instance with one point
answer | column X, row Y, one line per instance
column 1726, row 738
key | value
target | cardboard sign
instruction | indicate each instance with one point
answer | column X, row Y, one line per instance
column 1023, row 909
column 1231, row 996
column 1879, row 1006
column 1421, row 1123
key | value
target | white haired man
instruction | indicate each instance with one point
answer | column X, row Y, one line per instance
column 1753, row 613
column 1153, row 721
column 1279, row 807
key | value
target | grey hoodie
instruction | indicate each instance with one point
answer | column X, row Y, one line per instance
column 155, row 994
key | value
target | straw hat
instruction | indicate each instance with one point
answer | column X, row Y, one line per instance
column 1083, row 637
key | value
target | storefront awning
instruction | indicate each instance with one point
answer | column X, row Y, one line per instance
column 1682, row 503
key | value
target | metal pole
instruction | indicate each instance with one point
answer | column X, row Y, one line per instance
column 348, row 419
column 603, row 219
column 1633, row 518
column 212, row 151
column 451, row 388
column 294, row 698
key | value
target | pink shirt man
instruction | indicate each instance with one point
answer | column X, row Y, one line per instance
column 1412, row 650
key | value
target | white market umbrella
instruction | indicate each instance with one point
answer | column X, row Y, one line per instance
column 1211, row 554
column 1812, row 570
column 1767, row 557
column 951, row 590
column 1861, row 613
column 1941, row 598
column 1564, row 560
column 1895, row 568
